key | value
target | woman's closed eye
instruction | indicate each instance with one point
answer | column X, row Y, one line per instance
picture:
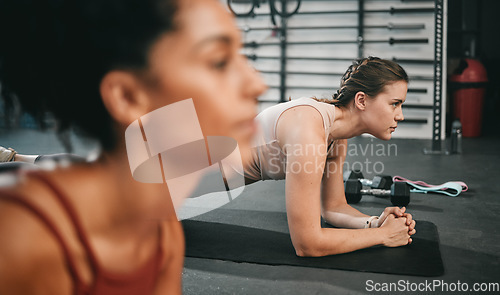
column 220, row 64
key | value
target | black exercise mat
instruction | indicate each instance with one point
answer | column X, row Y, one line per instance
column 245, row 244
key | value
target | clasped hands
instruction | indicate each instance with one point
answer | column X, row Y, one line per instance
column 399, row 225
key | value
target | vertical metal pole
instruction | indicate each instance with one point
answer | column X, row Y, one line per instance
column 283, row 51
column 438, row 74
column 361, row 18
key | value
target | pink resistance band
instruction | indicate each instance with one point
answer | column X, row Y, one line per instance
column 451, row 188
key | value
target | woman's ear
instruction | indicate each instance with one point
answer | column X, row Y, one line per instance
column 123, row 96
column 360, row 100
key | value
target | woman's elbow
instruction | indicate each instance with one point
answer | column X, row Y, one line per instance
column 305, row 253
column 307, row 249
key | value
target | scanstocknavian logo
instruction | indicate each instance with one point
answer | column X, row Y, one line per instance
column 168, row 146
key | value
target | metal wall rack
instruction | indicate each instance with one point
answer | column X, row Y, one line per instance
column 282, row 28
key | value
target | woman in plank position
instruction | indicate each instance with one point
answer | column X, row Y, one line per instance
column 100, row 65
column 304, row 142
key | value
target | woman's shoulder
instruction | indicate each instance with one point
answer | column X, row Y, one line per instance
column 301, row 123
column 26, row 201
column 305, row 114
column 28, row 249
column 33, row 202
column 39, row 186
column 20, row 188
column 302, row 113
column 19, row 216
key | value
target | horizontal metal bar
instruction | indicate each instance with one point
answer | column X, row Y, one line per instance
column 398, row 60
column 392, row 10
column 268, row 100
column 392, row 26
column 402, row 41
column 263, row 1
column 414, row 61
column 389, row 26
column 409, row 0
column 302, row 73
column 414, row 78
column 249, row 1
column 417, row 90
column 421, row 78
column 410, row 90
column 418, row 106
column 256, row 57
column 244, row 1
column 305, row 87
column 391, row 41
column 414, row 121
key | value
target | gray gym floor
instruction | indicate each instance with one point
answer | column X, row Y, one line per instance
column 468, row 225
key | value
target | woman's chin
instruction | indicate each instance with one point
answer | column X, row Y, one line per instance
column 384, row 136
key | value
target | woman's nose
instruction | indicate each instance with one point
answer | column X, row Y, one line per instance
column 253, row 82
column 399, row 116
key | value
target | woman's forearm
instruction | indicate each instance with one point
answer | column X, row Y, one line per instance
column 345, row 216
column 331, row 241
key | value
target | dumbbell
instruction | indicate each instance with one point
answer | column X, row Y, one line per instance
column 379, row 181
column 399, row 192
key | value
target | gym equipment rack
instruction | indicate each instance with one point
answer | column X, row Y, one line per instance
column 282, row 28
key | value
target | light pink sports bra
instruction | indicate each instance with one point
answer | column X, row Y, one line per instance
column 268, row 159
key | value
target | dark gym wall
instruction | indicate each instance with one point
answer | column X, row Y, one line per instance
column 490, row 55
column 478, row 19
